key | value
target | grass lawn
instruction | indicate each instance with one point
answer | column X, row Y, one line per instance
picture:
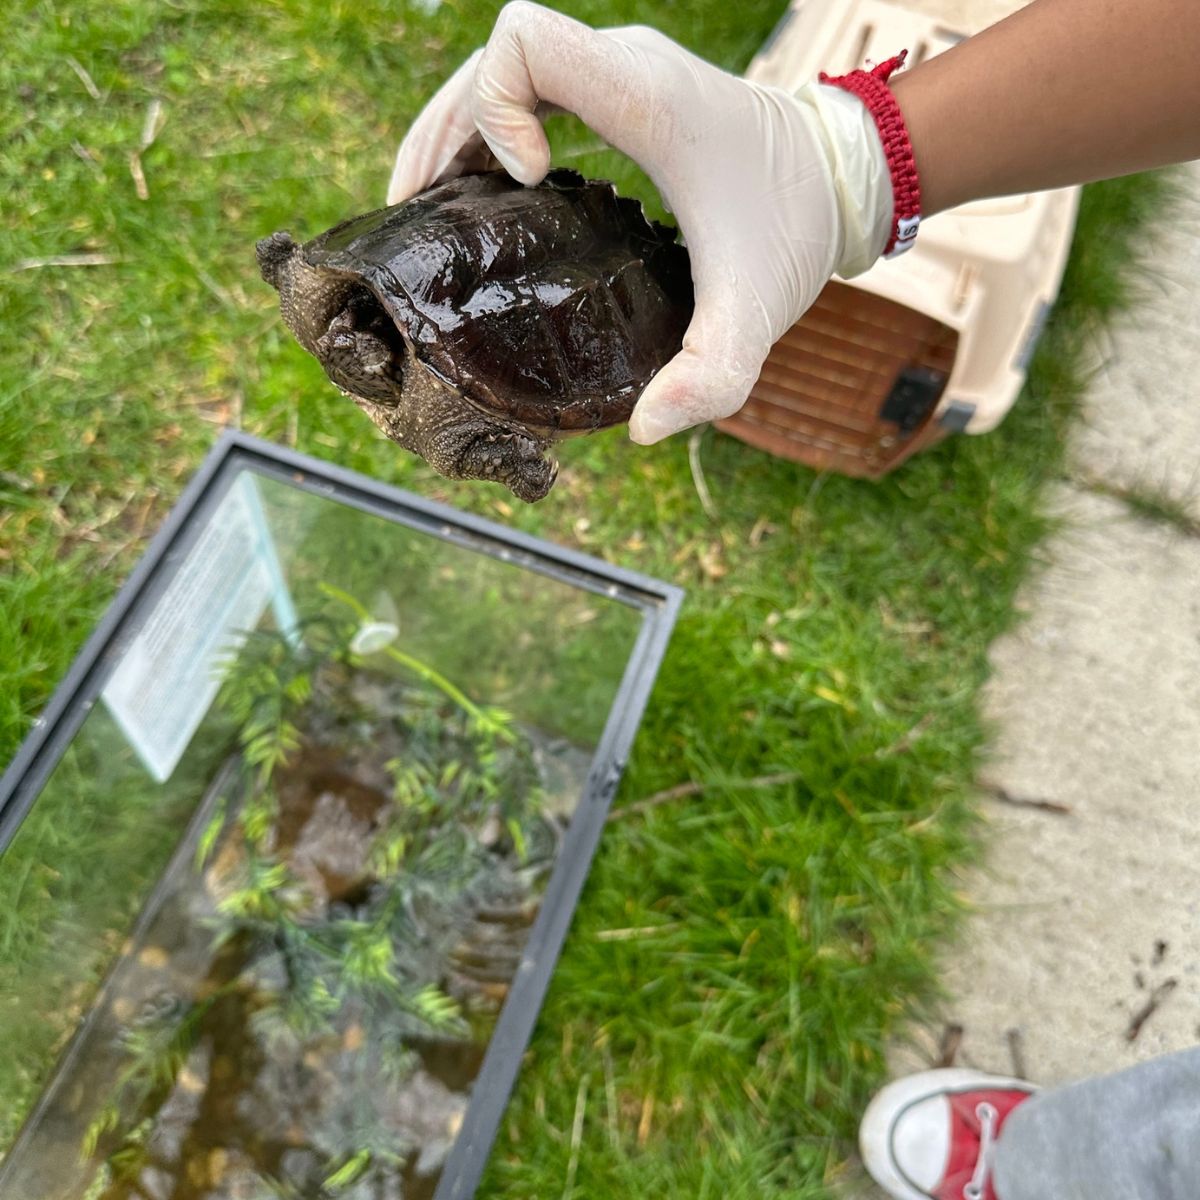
column 739, row 959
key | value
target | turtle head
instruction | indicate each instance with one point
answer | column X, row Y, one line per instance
column 359, row 353
column 337, row 320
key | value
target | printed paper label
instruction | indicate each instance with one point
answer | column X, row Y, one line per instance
column 170, row 672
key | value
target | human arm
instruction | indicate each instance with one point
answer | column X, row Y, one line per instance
column 1060, row 93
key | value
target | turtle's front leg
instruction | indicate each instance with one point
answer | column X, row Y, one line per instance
column 459, row 441
column 480, row 449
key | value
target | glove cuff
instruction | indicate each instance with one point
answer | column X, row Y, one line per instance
column 860, row 187
column 872, row 89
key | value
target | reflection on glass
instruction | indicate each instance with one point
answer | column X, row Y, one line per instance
column 267, row 962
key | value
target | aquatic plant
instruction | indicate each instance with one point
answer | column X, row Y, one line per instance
column 370, row 878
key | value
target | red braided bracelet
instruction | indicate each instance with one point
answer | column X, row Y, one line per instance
column 872, row 89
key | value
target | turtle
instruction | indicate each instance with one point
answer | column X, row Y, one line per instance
column 483, row 320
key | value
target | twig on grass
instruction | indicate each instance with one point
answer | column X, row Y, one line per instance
column 610, row 1097
column 83, row 153
column 682, row 790
column 905, row 741
column 576, row 1136
column 88, row 82
column 151, row 126
column 701, row 484
column 634, row 932
column 65, row 260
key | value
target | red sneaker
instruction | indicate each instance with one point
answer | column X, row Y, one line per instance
column 931, row 1136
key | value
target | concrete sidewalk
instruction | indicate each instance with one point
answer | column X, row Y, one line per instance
column 1086, row 941
column 1087, row 937
column 1085, row 946
column 1083, row 955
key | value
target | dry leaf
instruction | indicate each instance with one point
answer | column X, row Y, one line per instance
column 762, row 528
column 711, row 564
column 647, row 1119
column 833, row 697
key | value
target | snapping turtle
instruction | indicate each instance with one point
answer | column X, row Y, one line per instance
column 481, row 321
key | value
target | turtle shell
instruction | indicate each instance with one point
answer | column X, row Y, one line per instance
column 550, row 306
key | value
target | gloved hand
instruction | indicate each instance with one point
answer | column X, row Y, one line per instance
column 774, row 192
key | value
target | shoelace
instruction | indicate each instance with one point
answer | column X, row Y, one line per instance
column 988, row 1118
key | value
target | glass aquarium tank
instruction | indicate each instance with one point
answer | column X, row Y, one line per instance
column 287, row 862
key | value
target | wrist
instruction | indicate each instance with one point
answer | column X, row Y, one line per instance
column 872, row 91
column 916, row 100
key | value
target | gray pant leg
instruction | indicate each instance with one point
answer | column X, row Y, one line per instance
column 1134, row 1135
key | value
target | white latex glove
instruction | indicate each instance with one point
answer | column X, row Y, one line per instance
column 774, row 192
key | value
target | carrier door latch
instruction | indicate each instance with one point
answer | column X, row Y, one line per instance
column 913, row 397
